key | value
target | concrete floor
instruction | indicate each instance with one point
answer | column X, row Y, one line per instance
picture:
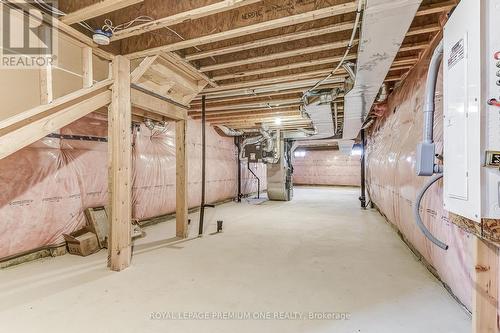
column 317, row 255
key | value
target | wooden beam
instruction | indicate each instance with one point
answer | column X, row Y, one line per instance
column 255, row 105
column 424, row 29
column 189, row 15
column 252, row 116
column 181, row 181
column 276, row 108
column 281, row 86
column 254, row 83
column 436, row 8
column 295, row 65
column 150, row 103
column 88, row 71
column 97, row 9
column 142, row 68
column 414, row 46
column 22, row 136
column 247, row 97
column 250, row 29
column 120, row 168
column 484, row 287
column 279, row 55
column 272, row 40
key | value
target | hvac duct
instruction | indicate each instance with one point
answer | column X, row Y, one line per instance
column 377, row 49
column 229, row 131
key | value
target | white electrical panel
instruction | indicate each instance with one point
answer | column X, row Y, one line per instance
column 471, row 66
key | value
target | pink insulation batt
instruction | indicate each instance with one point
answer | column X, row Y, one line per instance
column 47, row 185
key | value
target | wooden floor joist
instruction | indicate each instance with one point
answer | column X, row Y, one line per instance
column 192, row 14
column 254, row 28
column 279, row 55
column 272, row 40
column 97, row 9
column 293, row 65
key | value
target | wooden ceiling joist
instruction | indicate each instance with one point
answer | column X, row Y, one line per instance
column 250, row 29
column 272, row 40
column 189, row 15
column 424, row 29
column 294, row 65
column 268, row 104
column 279, row 55
column 248, row 84
column 281, row 86
column 97, row 9
column 436, row 8
column 276, row 108
column 256, row 113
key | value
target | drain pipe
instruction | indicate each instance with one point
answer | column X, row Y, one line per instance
column 426, row 149
column 258, row 179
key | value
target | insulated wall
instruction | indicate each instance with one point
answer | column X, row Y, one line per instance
column 326, row 167
column 393, row 184
column 47, row 185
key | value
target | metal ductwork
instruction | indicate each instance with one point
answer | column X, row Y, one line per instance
column 377, row 49
column 228, row 131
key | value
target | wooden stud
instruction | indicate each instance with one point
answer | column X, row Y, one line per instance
column 484, row 287
column 97, row 9
column 181, row 207
column 120, row 167
column 88, row 72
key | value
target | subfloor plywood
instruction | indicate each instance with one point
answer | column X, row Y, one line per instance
column 317, row 253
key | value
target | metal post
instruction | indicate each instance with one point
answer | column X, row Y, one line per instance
column 203, row 165
column 362, row 198
column 238, row 165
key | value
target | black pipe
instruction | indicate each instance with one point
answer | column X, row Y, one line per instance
column 362, row 198
column 258, row 179
column 203, row 165
column 238, row 145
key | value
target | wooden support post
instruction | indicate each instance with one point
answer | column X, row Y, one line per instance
column 46, row 87
column 120, row 167
column 485, row 287
column 88, row 73
column 181, row 180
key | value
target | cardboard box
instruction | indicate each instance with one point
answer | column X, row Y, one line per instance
column 82, row 242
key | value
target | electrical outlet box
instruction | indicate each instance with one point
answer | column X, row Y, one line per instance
column 471, row 121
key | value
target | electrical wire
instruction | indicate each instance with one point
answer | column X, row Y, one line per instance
column 349, row 47
column 109, row 26
column 57, row 12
